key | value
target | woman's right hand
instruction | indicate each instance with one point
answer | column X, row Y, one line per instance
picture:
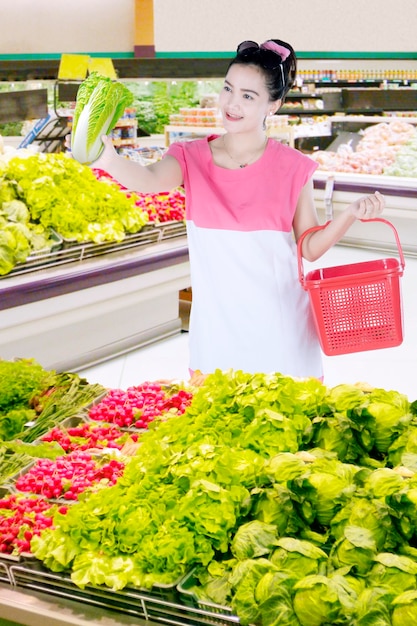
column 107, row 156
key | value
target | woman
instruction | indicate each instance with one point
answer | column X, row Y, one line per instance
column 248, row 200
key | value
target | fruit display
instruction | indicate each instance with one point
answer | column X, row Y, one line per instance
column 388, row 148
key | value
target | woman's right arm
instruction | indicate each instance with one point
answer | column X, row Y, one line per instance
column 162, row 175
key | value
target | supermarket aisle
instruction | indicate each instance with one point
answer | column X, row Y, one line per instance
column 393, row 368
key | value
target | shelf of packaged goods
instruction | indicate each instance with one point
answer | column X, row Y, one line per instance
column 128, row 141
column 127, row 123
column 83, row 312
column 191, row 130
column 278, row 132
column 373, row 119
column 334, row 191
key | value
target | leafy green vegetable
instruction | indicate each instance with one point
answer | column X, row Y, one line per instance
column 273, row 594
column 274, row 505
column 244, row 580
column 15, row 211
column 285, row 466
column 301, row 557
column 323, row 489
column 386, row 415
column 370, row 513
column 373, row 608
column 320, row 600
column 383, row 482
column 253, row 539
column 14, row 421
column 212, row 583
column 280, row 536
column 404, row 609
column 335, row 433
column 99, row 105
column 403, row 445
column 395, row 572
column 355, row 550
column 19, row 381
column 63, row 195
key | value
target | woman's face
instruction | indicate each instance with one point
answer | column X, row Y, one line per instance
column 244, row 100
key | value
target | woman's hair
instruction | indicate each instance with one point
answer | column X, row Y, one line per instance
column 276, row 59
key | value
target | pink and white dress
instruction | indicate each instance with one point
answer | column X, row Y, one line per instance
column 249, row 311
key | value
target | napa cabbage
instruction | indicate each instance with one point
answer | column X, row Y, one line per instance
column 100, row 104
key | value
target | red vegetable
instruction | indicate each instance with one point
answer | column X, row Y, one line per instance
column 137, row 406
column 22, row 517
column 68, row 476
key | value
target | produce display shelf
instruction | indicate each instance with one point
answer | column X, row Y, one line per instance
column 71, row 251
column 161, row 605
column 4, row 573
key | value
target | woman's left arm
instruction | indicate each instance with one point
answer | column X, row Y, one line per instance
column 319, row 242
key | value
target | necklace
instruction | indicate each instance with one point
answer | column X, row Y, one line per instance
column 260, row 150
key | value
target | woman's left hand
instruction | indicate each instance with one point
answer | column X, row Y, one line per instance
column 368, row 207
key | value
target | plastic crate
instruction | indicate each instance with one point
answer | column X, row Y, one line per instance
column 211, row 612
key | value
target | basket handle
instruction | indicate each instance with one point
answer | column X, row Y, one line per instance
column 322, row 226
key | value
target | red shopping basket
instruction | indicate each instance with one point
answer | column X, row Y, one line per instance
column 356, row 307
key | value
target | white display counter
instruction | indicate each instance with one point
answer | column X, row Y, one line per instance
column 334, row 191
column 83, row 312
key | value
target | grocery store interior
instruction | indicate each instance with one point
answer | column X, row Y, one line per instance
column 104, row 305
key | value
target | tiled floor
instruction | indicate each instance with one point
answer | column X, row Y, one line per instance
column 393, row 368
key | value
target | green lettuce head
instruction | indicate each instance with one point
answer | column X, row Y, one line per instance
column 373, row 608
column 404, row 609
column 244, row 580
column 253, row 539
column 395, row 572
column 356, row 550
column 405, row 444
column 322, row 600
column 273, row 595
column 323, row 489
column 274, row 505
column 299, row 556
column 371, row 514
column 285, row 466
column 383, row 482
column 346, row 397
column 388, row 414
column 334, row 433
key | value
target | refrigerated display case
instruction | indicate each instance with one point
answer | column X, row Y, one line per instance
column 334, row 191
column 89, row 308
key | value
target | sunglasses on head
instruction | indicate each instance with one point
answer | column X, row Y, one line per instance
column 271, row 53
